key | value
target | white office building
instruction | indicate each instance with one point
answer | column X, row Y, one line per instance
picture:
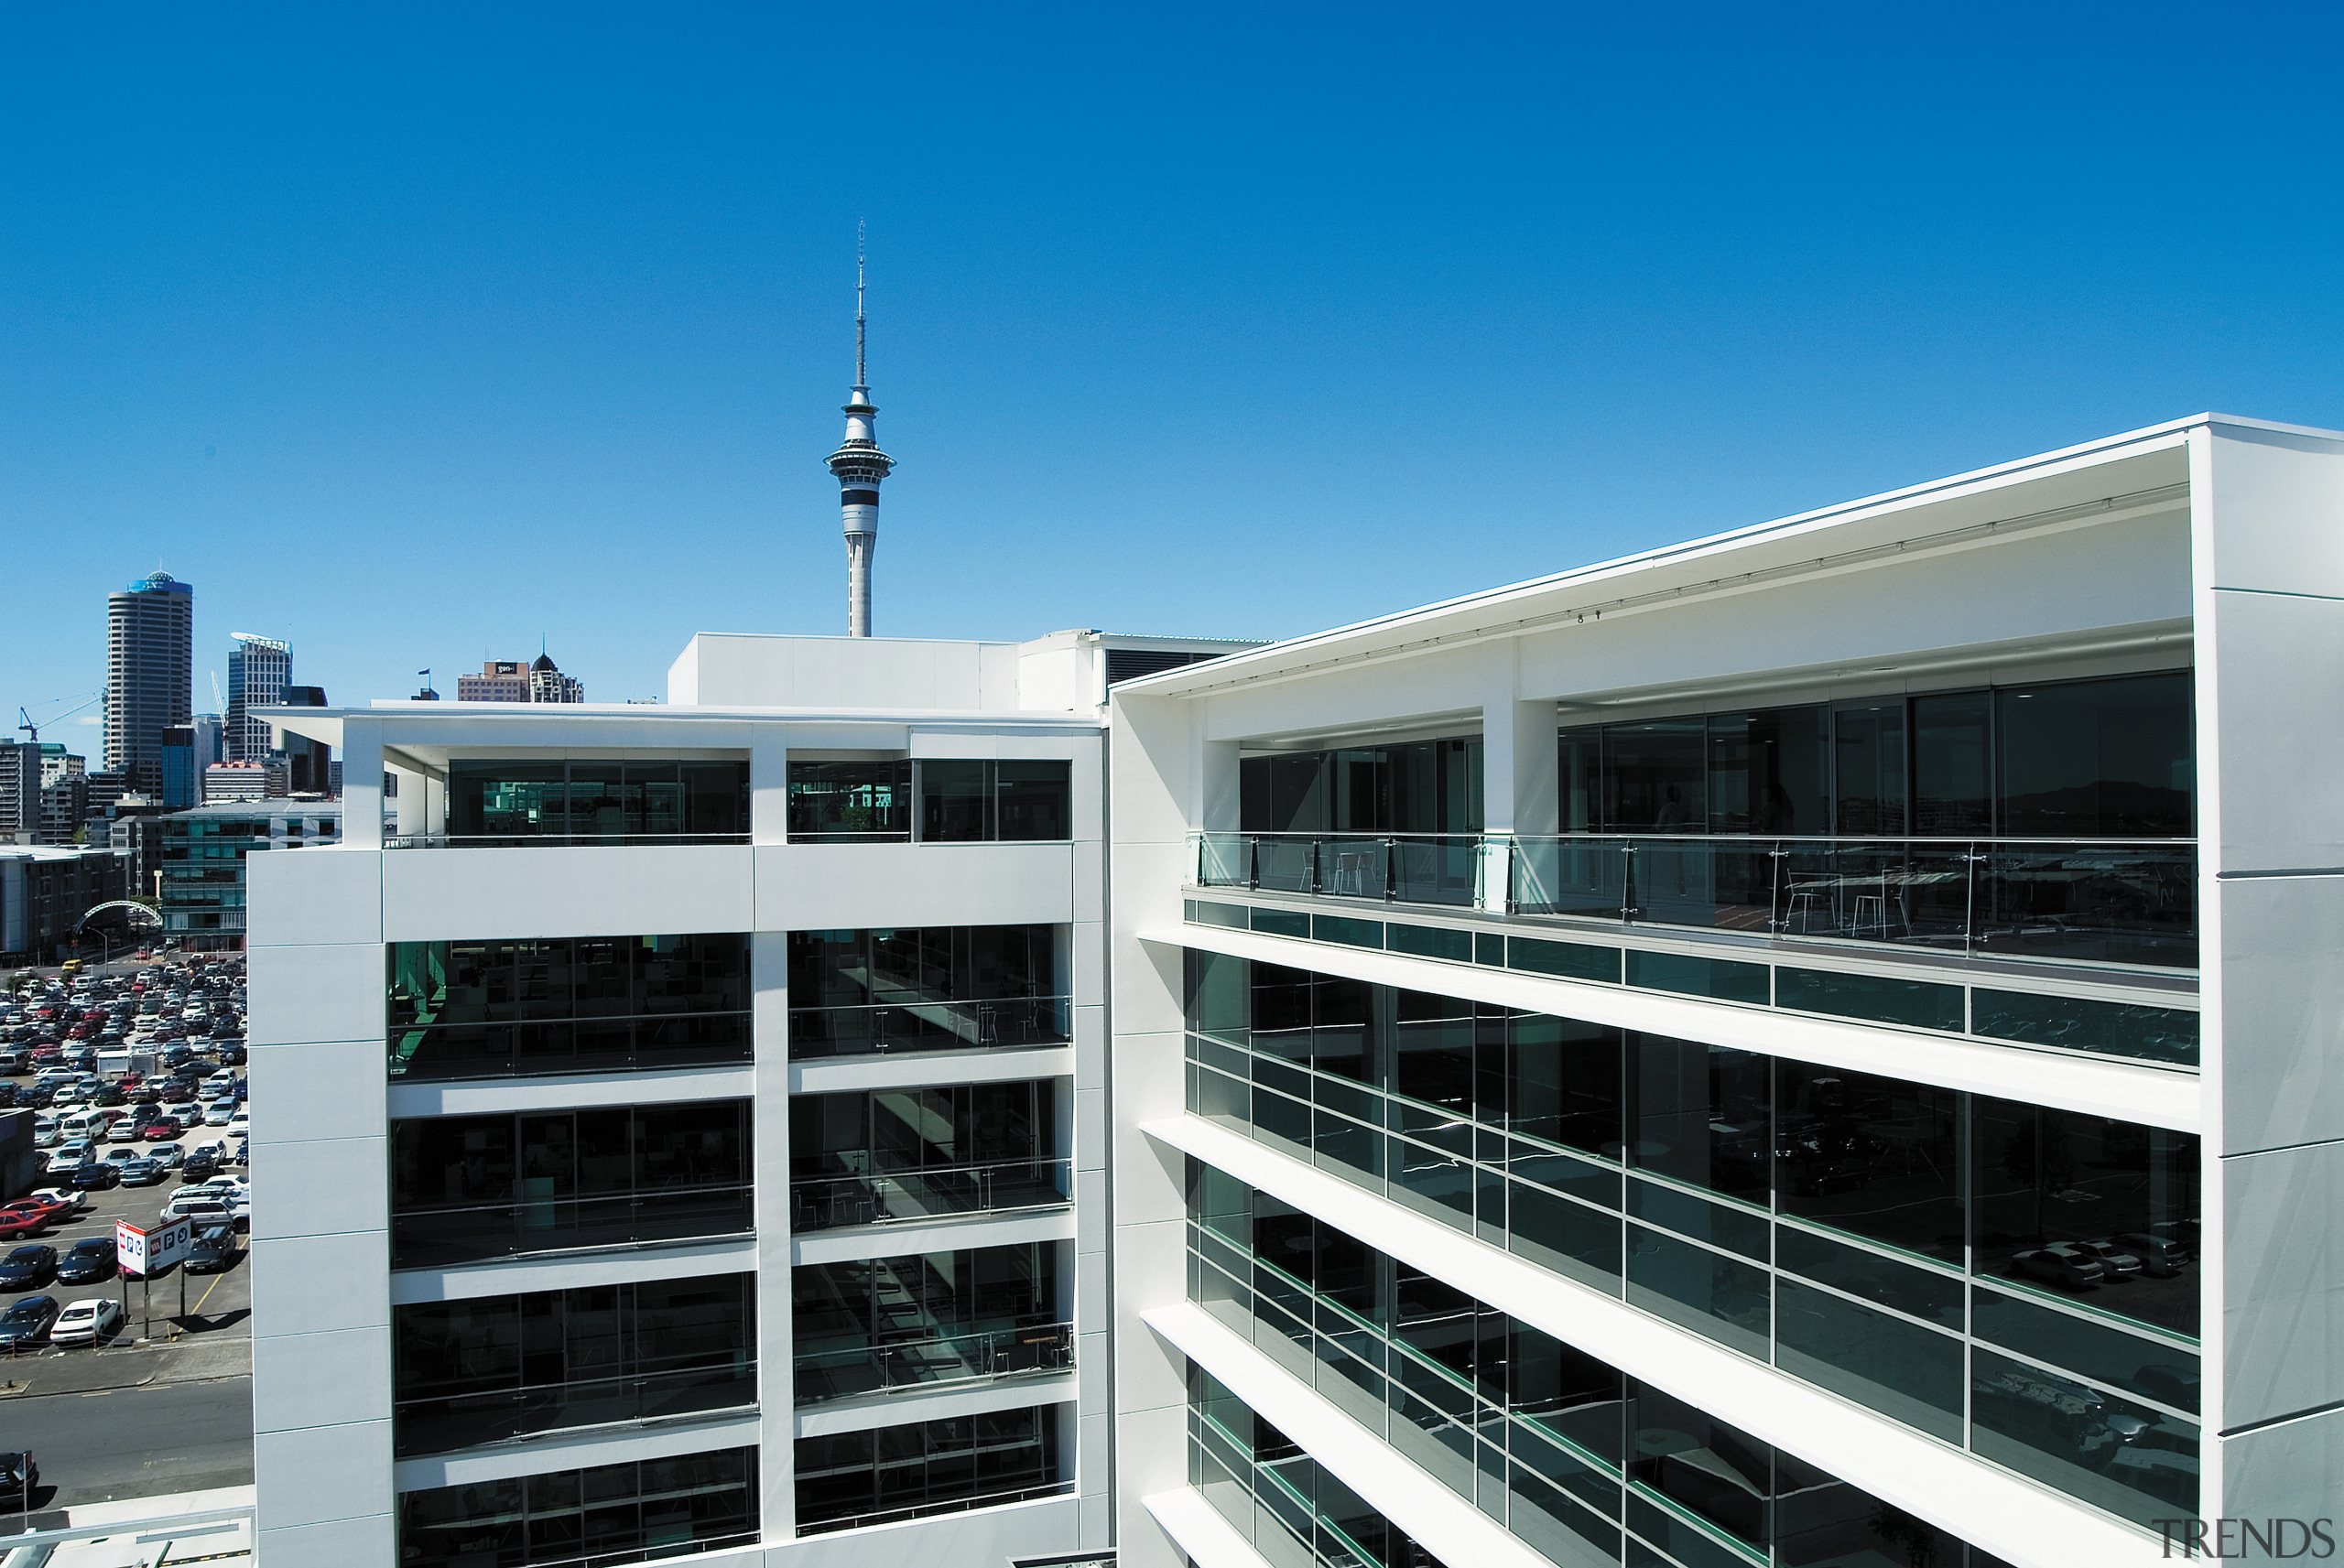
column 1807, row 1047
column 1813, row 1045
column 259, row 669
column 683, row 1128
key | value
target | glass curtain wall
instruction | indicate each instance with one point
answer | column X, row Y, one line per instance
column 567, row 1004
column 1284, row 1503
column 865, row 1158
column 470, row 1187
column 539, row 801
column 1558, row 1445
column 638, row 1512
column 2073, row 759
column 873, row 1324
column 971, row 802
column 860, row 1478
column 1420, row 787
column 489, row 1370
column 861, row 801
column 924, row 988
column 1961, row 1263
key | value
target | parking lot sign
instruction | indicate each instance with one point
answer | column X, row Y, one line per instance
column 148, row 1251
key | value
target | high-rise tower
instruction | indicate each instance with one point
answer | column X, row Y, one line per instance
column 860, row 465
column 150, row 646
column 259, row 669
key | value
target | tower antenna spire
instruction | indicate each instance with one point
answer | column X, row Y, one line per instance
column 859, row 466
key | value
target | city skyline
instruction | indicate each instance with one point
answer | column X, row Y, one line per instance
column 606, row 299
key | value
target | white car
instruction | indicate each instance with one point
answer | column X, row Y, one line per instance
column 241, row 1127
column 221, row 1113
column 44, row 1133
column 91, row 1322
column 125, row 1130
column 77, row 1201
column 70, row 1153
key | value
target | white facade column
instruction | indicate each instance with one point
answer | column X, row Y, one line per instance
column 361, row 783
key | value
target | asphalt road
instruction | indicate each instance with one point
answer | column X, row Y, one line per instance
column 134, row 1443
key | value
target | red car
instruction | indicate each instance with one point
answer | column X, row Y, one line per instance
column 159, row 1132
column 16, row 1224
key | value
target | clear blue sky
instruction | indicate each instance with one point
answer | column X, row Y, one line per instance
column 411, row 334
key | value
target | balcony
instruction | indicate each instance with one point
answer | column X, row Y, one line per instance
column 449, row 1423
column 448, row 1236
column 2126, row 903
column 886, row 1196
column 553, row 839
column 907, row 1026
column 931, row 1363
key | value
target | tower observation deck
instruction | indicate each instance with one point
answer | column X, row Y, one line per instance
column 859, row 467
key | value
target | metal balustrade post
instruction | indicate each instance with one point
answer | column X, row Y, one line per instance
column 1628, row 909
column 1252, row 865
column 1391, row 871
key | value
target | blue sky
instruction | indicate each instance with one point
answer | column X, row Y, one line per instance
column 413, row 334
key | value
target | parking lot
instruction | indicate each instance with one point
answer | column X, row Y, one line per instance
column 164, row 1404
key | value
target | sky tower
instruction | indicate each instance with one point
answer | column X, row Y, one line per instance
column 860, row 465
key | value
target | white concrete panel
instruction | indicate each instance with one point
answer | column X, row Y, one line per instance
column 2274, row 658
column 654, row 1086
column 570, row 891
column 357, row 1263
column 769, row 784
column 304, row 994
column 320, row 1188
column 2287, row 1471
column 2156, row 1095
column 848, row 1075
column 318, row 1474
column 319, row 895
column 1091, row 1134
column 519, row 1275
column 1091, row 1443
column 349, row 1543
column 333, row 1090
column 1197, row 1527
column 1151, row 1271
column 902, row 1409
column 2277, row 504
column 2283, row 1283
column 858, row 886
column 575, row 1450
column 2281, row 1010
column 1089, row 889
column 302, row 1380
column 981, row 1538
column 1151, row 1458
column 1986, row 1505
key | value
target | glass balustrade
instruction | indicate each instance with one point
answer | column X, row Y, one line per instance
column 884, row 1195
column 933, row 1361
column 938, row 1025
column 2127, row 901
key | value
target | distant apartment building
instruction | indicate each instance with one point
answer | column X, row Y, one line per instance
column 64, row 794
column 244, row 780
column 150, row 650
column 260, row 670
column 309, row 764
column 19, row 792
column 510, row 680
column 203, row 861
column 44, row 892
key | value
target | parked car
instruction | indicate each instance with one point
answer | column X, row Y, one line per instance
column 28, row 1268
column 70, row 1203
column 22, row 1224
column 167, row 1156
column 142, row 1172
column 95, row 1175
column 91, row 1322
column 26, row 1323
column 19, row 1477
column 87, row 1262
column 2116, row 1263
column 161, row 1130
column 2060, row 1264
column 2162, row 1255
column 73, row 1151
column 241, row 1127
column 214, row 1250
column 221, row 1114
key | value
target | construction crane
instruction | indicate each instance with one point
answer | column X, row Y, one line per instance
column 33, row 729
